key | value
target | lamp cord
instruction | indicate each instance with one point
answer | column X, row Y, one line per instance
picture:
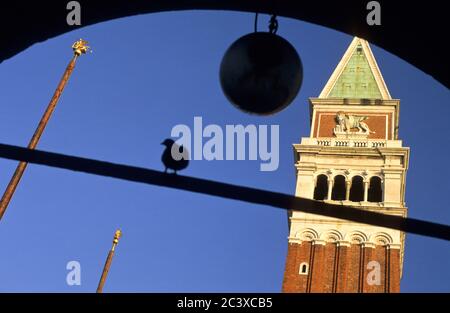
column 273, row 24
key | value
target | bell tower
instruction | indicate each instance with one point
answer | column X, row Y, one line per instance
column 352, row 157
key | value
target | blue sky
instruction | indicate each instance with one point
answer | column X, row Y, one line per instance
column 147, row 74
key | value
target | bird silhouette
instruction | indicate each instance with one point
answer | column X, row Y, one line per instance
column 170, row 161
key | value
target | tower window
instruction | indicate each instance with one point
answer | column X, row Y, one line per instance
column 338, row 192
column 357, row 189
column 359, row 50
column 304, row 267
column 375, row 191
column 321, row 190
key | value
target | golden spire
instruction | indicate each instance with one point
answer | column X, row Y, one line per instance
column 117, row 236
column 80, row 47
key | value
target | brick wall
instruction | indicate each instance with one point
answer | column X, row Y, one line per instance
column 334, row 268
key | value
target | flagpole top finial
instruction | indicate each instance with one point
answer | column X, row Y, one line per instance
column 117, row 236
column 80, row 47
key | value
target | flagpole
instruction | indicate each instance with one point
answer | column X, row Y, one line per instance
column 79, row 47
column 108, row 262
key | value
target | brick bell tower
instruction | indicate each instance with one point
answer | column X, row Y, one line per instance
column 352, row 157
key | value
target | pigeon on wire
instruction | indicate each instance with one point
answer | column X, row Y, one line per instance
column 174, row 157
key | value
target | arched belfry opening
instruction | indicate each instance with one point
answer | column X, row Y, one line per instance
column 321, row 189
column 375, row 190
column 357, row 189
column 338, row 188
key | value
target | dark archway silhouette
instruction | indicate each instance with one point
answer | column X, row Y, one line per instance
column 357, row 189
column 375, row 190
column 407, row 30
column 321, row 189
column 338, row 192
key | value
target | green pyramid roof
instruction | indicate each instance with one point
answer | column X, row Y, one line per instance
column 357, row 75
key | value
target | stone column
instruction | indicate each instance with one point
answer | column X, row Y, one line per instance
column 366, row 190
column 330, row 188
column 348, row 185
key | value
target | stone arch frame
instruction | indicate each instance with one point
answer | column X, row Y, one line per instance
column 344, row 173
column 381, row 239
column 379, row 175
column 356, row 237
column 302, row 266
column 332, row 236
column 350, row 174
column 322, row 172
column 307, row 234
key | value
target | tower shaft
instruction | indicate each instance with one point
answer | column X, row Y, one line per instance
column 352, row 157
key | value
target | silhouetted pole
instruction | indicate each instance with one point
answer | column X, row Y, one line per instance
column 108, row 261
column 79, row 47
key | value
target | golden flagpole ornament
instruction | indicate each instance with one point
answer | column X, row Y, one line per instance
column 107, row 266
column 79, row 47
